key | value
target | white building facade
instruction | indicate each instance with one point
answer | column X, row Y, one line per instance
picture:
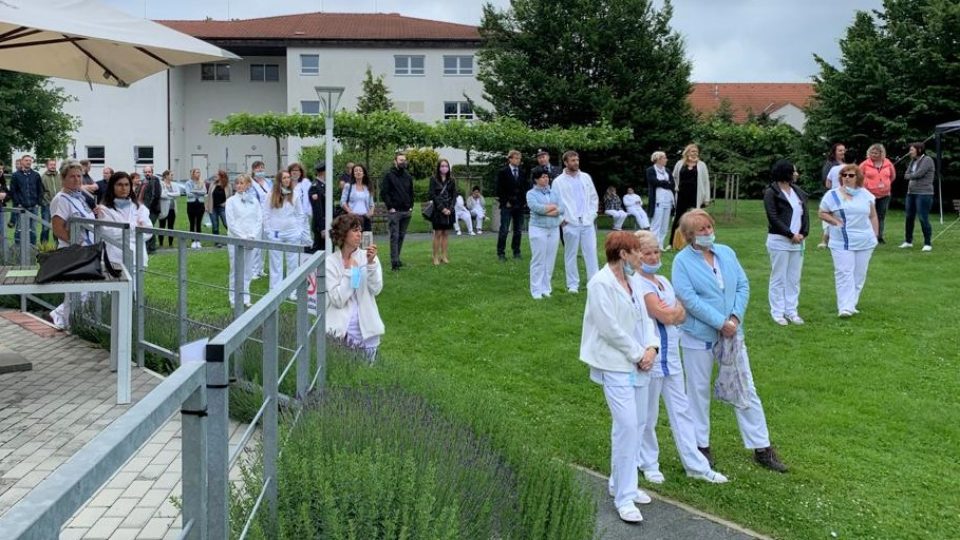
column 164, row 121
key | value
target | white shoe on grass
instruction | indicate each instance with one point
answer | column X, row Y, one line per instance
column 710, row 476
column 906, row 245
column 654, row 477
column 927, row 247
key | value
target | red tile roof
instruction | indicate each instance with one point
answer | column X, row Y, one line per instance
column 749, row 97
column 329, row 26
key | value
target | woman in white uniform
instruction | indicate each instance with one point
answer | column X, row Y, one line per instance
column 283, row 222
column 119, row 207
column 660, row 198
column 245, row 216
column 354, row 279
column 620, row 345
column 852, row 216
column 634, row 206
column 68, row 203
column 477, row 207
column 462, row 214
column 666, row 375
column 788, row 225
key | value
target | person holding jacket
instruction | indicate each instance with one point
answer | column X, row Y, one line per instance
column 659, row 197
column 920, row 173
column 713, row 288
column 511, row 189
column 245, row 216
column 619, row 345
column 396, row 190
column 354, row 278
column 545, row 215
column 788, row 224
column 878, row 177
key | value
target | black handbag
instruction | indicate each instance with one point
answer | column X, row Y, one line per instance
column 75, row 263
column 427, row 211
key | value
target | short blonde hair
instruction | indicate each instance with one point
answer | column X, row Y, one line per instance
column 657, row 155
column 692, row 220
column 879, row 148
column 242, row 179
column 647, row 239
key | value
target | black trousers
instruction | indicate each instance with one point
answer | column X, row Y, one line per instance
column 167, row 223
column 507, row 215
column 195, row 211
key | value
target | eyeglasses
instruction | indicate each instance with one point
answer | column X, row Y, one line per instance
column 848, row 175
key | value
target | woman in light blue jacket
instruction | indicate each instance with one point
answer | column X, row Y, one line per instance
column 713, row 287
column 545, row 215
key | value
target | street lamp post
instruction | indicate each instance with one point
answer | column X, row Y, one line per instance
column 330, row 96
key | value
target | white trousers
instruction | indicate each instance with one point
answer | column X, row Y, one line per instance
column 480, row 214
column 627, row 408
column 698, row 366
column 576, row 238
column 258, row 257
column 464, row 216
column 850, row 273
column 543, row 248
column 674, row 395
column 660, row 225
column 643, row 222
column 291, row 237
column 619, row 216
column 248, row 269
column 784, row 292
column 61, row 314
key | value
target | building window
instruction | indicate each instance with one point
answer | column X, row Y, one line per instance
column 214, row 72
column 458, row 65
column 97, row 155
column 143, row 155
column 310, row 107
column 264, row 72
column 408, row 65
column 457, row 110
column 309, row 64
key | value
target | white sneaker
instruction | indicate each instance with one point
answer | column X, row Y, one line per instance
column 458, row 233
column 927, row 247
column 710, row 476
column 473, row 233
column 821, row 245
column 572, row 291
column 630, row 514
column 654, row 477
column 780, row 320
column 479, row 231
column 906, row 245
column 795, row 319
column 845, row 314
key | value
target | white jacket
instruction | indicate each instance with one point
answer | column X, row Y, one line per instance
column 339, row 293
column 245, row 218
column 703, row 181
column 301, row 193
column 609, row 339
column 137, row 216
column 288, row 217
column 564, row 185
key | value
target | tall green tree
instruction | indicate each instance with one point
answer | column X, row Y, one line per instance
column 32, row 116
column 376, row 96
column 580, row 62
column 897, row 78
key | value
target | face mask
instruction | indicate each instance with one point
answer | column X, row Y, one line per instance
column 402, row 166
column 355, row 277
column 285, row 191
column 260, row 174
column 444, row 169
column 705, row 241
column 628, row 269
column 851, row 190
column 651, row 268
column 76, row 194
column 122, row 204
column 246, row 197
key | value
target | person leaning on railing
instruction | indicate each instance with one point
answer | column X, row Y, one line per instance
column 120, row 207
column 70, row 202
column 354, row 279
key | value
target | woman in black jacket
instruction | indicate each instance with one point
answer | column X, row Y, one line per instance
column 659, row 198
column 443, row 193
column 788, row 226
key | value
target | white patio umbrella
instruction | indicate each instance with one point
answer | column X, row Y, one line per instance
column 85, row 40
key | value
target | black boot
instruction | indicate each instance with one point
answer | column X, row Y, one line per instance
column 707, row 454
column 767, row 458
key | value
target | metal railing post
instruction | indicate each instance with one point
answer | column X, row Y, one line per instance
column 239, row 269
column 271, row 414
column 182, row 290
column 24, row 251
column 322, row 324
column 218, row 443
column 194, row 456
column 303, row 338
column 140, row 295
column 98, row 297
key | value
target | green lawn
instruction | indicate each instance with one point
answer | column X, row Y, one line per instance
column 864, row 410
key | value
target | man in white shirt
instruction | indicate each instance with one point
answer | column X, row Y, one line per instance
column 579, row 201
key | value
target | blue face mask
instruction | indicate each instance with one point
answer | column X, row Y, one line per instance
column 852, row 191
column 246, row 197
column 706, row 240
column 285, row 191
column 355, row 277
column 260, row 174
column 651, row 268
column 122, row 204
column 628, row 269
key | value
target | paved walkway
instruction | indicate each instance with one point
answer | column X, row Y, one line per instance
column 49, row 413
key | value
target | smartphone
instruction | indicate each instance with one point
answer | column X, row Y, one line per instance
column 366, row 240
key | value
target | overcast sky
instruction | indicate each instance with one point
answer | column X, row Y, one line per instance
column 727, row 40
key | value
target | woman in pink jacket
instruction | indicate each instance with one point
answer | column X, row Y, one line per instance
column 878, row 178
